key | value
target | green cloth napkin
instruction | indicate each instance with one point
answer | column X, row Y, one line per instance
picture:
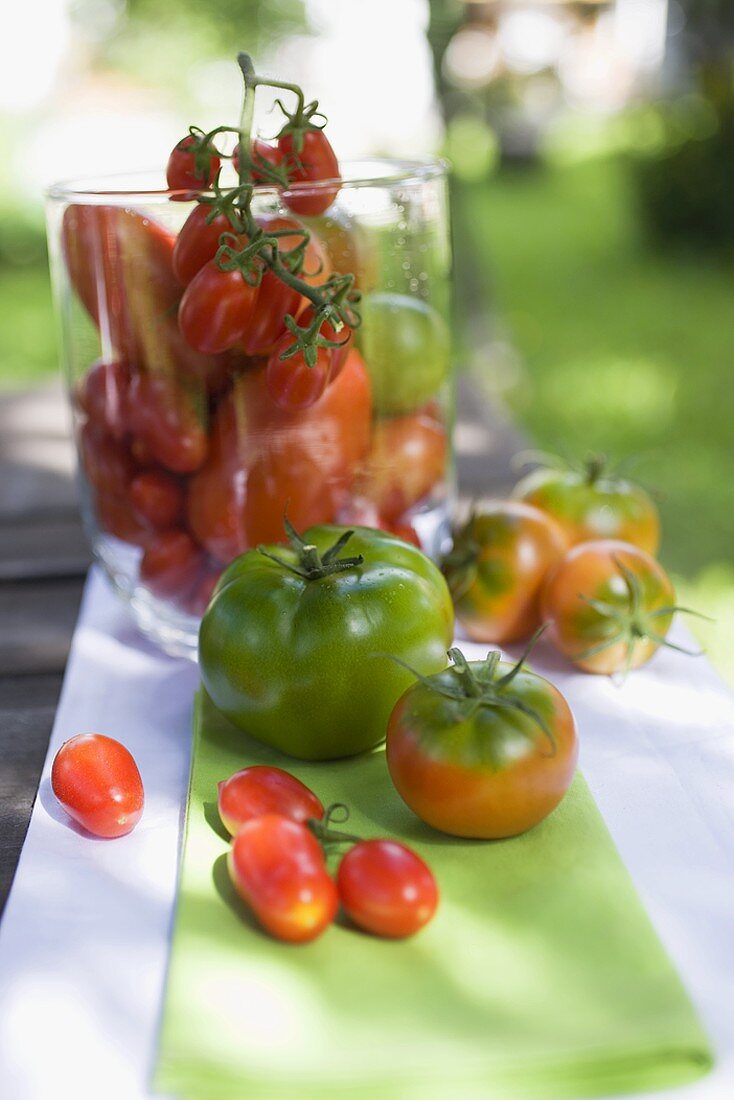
column 540, row 975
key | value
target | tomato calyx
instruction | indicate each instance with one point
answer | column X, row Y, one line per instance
column 312, row 565
column 337, row 310
column 479, row 684
column 301, row 121
column 631, row 623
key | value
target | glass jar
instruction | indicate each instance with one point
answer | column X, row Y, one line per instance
column 186, row 459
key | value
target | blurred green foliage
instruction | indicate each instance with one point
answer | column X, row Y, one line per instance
column 684, row 179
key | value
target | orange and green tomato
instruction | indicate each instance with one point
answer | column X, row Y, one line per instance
column 496, row 569
column 482, row 767
column 588, row 505
column 609, row 606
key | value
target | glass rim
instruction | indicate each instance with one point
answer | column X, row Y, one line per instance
column 100, row 189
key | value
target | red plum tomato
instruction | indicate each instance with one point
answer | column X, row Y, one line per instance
column 97, row 781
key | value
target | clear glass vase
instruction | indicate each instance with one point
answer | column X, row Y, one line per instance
column 185, row 459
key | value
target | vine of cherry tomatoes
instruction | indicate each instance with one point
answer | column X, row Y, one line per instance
column 277, row 863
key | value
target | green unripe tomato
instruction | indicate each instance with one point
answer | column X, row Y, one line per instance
column 406, row 348
column 294, row 645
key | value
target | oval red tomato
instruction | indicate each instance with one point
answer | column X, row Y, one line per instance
column 182, row 171
column 157, row 498
column 97, row 781
column 171, row 565
column 261, row 789
column 216, row 308
column 277, row 867
column 198, row 241
column 386, row 889
column 314, row 162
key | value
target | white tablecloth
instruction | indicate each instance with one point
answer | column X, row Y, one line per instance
column 84, row 939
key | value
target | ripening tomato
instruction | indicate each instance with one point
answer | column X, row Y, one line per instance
column 496, row 568
column 97, row 781
column 406, row 344
column 315, row 161
column 260, row 790
column 278, row 868
column 609, row 606
column 406, row 460
column 182, row 171
column 386, row 889
column 102, row 396
column 591, row 504
column 157, row 498
column 170, row 420
column 171, row 565
column 264, row 461
column 483, row 749
column 216, row 309
column 198, row 241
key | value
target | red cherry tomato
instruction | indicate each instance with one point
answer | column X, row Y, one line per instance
column 157, row 498
column 264, row 460
column 171, row 565
column 277, row 867
column 216, row 309
column 197, row 242
column 275, row 300
column 292, row 384
column 261, row 151
column 181, row 171
column 260, row 790
column 98, row 783
column 91, row 251
column 315, row 161
column 106, row 462
column 102, row 395
column 169, row 420
column 386, row 888
column 116, row 517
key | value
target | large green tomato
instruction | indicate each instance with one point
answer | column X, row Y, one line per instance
column 294, row 647
column 406, row 348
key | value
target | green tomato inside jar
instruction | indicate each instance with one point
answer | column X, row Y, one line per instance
column 406, row 346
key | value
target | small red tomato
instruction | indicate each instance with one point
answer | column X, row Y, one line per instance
column 102, row 396
column 278, row 868
column 182, row 173
column 291, row 383
column 157, row 498
column 106, row 462
column 98, row 783
column 170, row 420
column 171, row 565
column 197, row 242
column 315, row 161
column 216, row 309
column 200, row 596
column 260, row 790
column 275, row 300
column 386, row 888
